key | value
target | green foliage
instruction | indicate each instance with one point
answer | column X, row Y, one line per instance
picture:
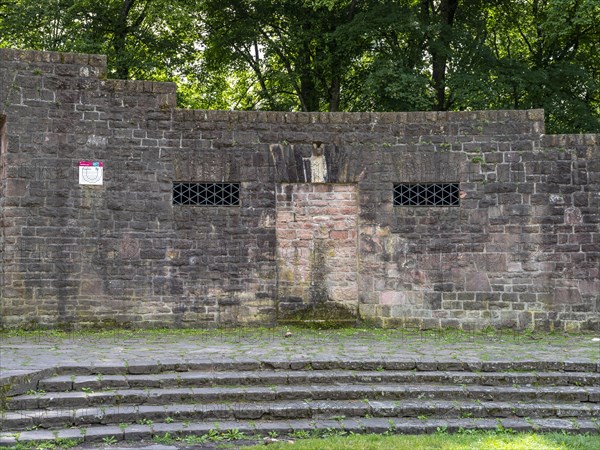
column 285, row 55
column 164, row 439
column 109, row 440
column 47, row 445
column 142, row 38
column 545, row 55
column 233, row 435
column 37, row 393
column 338, row 55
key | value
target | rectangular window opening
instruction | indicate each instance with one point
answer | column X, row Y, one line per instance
column 206, row 194
column 426, row 194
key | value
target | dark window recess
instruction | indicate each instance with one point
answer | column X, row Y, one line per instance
column 427, row 194
column 206, row 194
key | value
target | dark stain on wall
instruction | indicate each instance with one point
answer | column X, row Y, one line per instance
column 522, row 249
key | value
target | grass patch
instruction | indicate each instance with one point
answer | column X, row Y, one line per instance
column 475, row 440
column 335, row 440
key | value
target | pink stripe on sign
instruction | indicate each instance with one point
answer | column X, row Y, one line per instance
column 90, row 164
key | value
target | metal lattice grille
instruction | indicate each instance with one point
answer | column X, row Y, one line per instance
column 206, row 194
column 429, row 194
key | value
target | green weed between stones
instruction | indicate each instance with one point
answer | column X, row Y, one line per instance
column 213, row 435
column 47, row 445
column 145, row 421
column 109, row 440
column 445, row 335
column 36, row 393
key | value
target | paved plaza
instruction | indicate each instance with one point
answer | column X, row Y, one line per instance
column 33, row 355
column 34, row 351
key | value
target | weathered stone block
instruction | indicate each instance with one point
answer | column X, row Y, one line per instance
column 523, row 238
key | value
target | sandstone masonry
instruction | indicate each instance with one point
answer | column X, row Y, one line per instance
column 316, row 224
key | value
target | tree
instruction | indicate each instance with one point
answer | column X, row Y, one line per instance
column 40, row 25
column 142, row 38
column 338, row 55
column 439, row 18
column 546, row 56
column 300, row 52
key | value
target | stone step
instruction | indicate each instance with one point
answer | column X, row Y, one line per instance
column 152, row 396
column 330, row 364
column 295, row 409
column 286, row 377
column 137, row 432
column 414, row 396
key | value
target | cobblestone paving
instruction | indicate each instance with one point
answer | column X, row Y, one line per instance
column 44, row 349
column 31, row 352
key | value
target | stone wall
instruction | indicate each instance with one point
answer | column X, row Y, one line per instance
column 316, row 223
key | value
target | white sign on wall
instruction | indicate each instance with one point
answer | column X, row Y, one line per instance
column 91, row 173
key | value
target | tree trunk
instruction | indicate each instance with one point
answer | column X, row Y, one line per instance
column 334, row 94
column 309, row 97
column 440, row 49
column 119, row 40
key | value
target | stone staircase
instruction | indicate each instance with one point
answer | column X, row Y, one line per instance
column 259, row 398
